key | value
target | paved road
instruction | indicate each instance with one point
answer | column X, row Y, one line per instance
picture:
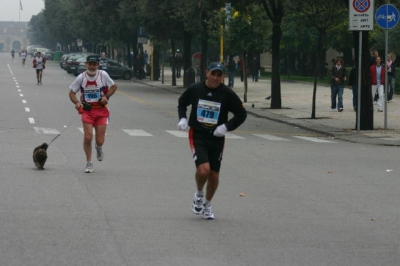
column 296, row 109
column 309, row 199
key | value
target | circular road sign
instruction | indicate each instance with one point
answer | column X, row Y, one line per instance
column 361, row 5
column 387, row 16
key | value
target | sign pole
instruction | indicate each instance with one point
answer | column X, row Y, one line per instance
column 385, row 90
column 387, row 17
column 359, row 81
column 360, row 19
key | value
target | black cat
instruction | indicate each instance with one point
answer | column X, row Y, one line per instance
column 40, row 155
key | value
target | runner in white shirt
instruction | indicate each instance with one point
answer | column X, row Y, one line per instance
column 23, row 57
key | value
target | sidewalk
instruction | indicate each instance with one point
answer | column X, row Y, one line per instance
column 297, row 107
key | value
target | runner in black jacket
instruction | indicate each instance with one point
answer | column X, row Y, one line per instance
column 211, row 101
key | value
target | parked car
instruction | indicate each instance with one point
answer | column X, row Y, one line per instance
column 114, row 69
column 78, row 62
column 70, row 63
column 82, row 66
column 62, row 59
column 65, row 58
column 48, row 54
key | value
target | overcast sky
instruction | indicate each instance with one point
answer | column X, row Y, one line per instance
column 10, row 9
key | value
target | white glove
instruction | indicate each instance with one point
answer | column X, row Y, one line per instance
column 183, row 124
column 220, row 131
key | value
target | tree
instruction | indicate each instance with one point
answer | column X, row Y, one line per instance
column 320, row 15
column 275, row 12
column 55, row 15
column 247, row 33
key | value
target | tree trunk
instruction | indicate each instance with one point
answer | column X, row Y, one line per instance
column 316, row 71
column 204, row 55
column 173, row 62
column 276, row 102
column 156, row 62
column 129, row 58
column 244, row 62
column 187, row 56
column 187, row 47
column 367, row 109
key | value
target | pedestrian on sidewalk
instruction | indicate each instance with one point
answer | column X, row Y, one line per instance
column 338, row 77
column 378, row 80
column 178, row 63
column 231, row 71
column 240, row 67
column 103, row 61
column 353, row 85
column 375, row 54
column 255, row 68
column 96, row 88
column 391, row 71
column 210, row 101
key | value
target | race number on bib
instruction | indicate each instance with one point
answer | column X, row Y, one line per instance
column 92, row 96
column 208, row 112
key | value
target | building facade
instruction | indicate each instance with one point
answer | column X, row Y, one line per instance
column 13, row 35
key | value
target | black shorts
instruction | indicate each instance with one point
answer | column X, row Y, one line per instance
column 39, row 71
column 206, row 148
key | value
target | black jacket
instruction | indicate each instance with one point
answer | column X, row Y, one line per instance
column 353, row 78
column 218, row 102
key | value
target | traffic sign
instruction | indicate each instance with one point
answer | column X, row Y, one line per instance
column 387, row 16
column 361, row 13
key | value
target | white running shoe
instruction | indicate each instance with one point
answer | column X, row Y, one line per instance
column 198, row 204
column 89, row 168
column 208, row 213
column 100, row 153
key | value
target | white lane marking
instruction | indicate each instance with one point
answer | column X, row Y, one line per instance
column 314, row 139
column 178, row 133
column 21, row 95
column 137, row 132
column 27, row 109
column 184, row 134
column 23, row 101
column 19, row 90
column 44, row 130
column 31, row 120
column 232, row 136
column 270, row 137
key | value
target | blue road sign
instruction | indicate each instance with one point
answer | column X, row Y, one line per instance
column 387, row 16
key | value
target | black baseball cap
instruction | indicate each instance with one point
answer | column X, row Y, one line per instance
column 216, row 66
column 92, row 58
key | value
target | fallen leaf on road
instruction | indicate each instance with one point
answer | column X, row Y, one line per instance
column 330, row 172
column 372, row 219
column 242, row 195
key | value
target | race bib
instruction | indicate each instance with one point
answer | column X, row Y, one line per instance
column 208, row 112
column 92, row 96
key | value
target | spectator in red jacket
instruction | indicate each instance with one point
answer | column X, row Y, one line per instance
column 378, row 80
